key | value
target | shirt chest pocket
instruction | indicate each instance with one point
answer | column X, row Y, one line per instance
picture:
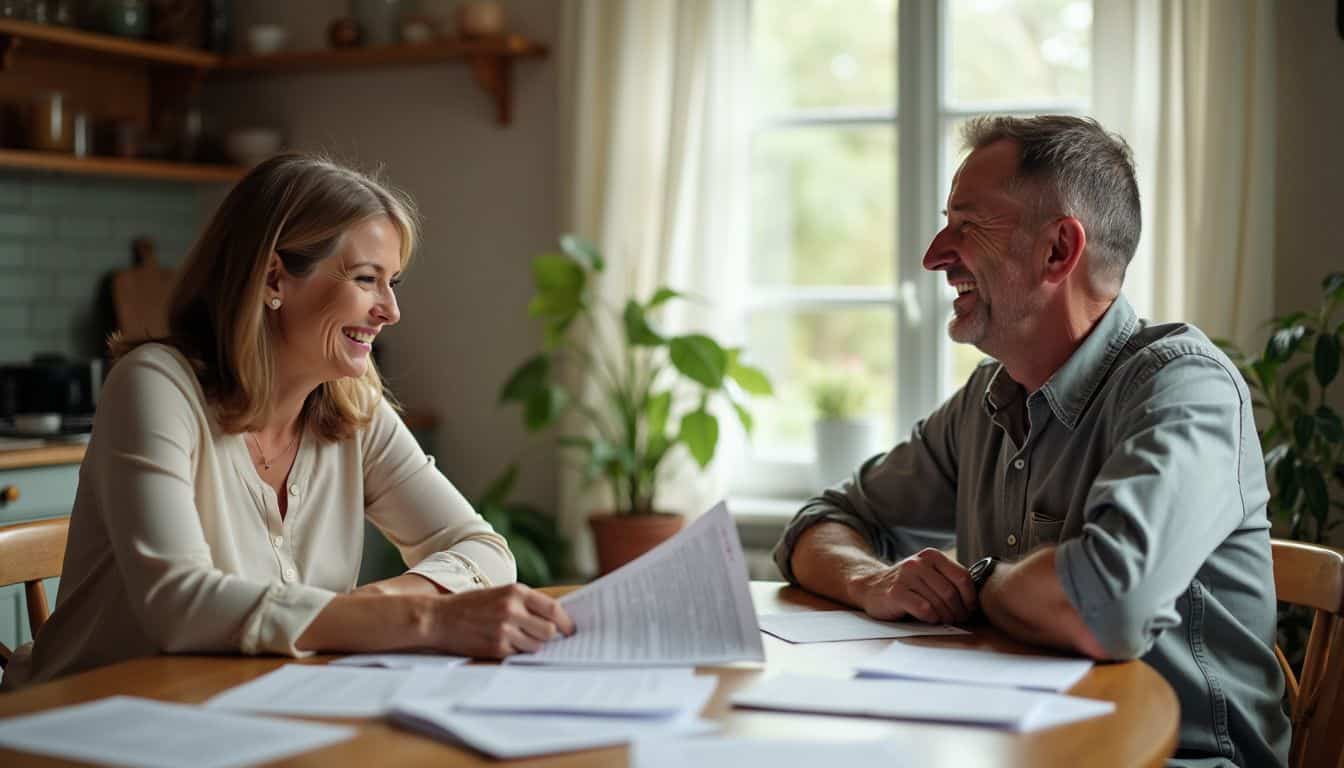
column 1043, row 529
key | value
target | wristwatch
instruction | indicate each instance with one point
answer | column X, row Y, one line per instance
column 980, row 571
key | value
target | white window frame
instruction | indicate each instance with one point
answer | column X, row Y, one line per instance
column 919, row 299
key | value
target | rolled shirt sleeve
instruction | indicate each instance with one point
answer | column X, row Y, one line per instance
column 432, row 525
column 1164, row 499
column 900, row 501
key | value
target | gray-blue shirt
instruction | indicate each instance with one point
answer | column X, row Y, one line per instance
column 1139, row 458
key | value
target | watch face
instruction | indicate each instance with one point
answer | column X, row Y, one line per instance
column 980, row 570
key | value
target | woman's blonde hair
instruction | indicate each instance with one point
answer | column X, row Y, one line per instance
column 297, row 207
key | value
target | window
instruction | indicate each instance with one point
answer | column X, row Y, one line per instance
column 858, row 105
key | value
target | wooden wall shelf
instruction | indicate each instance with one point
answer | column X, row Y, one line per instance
column 21, row 34
column 491, row 62
column 163, row 170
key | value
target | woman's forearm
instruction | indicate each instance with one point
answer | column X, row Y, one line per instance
column 371, row 622
column 405, row 584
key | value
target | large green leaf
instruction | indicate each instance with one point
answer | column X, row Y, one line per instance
column 1313, row 490
column 559, row 281
column 700, row 433
column 499, row 489
column 744, row 416
column 1326, row 358
column 543, row 407
column 1284, row 343
column 1304, row 428
column 583, row 251
column 700, row 359
column 655, row 413
column 1285, row 481
column 1333, row 286
column 662, row 295
column 527, row 380
column 1329, row 424
column 751, row 379
column 637, row 329
column 533, row 569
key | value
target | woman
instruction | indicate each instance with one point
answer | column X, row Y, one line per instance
column 222, row 499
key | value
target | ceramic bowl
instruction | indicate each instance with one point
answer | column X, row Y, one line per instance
column 266, row 38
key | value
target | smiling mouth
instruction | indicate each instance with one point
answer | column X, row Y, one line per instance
column 363, row 338
column 963, row 287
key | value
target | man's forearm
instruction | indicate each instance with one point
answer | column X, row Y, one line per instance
column 830, row 557
column 1026, row 601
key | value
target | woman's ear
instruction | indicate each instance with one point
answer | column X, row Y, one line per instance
column 275, row 271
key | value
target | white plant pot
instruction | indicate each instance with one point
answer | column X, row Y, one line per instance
column 842, row 445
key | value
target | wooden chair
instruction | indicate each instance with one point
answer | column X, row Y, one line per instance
column 1313, row 576
column 29, row 553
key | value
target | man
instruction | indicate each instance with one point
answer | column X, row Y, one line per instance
column 1102, row 473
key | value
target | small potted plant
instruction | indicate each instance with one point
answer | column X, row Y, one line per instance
column 645, row 393
column 843, row 430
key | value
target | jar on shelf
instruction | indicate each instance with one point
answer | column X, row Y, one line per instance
column 51, row 122
column 126, row 18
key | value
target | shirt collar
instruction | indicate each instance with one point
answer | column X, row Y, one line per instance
column 1071, row 387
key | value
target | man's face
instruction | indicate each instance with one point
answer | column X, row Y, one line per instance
column 985, row 249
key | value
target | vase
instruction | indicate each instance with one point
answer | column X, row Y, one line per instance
column 379, row 20
column 622, row 538
column 842, row 445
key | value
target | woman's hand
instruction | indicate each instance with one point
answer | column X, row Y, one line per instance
column 496, row 622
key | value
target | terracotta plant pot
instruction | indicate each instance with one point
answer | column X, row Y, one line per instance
column 622, row 538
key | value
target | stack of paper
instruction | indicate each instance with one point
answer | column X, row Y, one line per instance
column 121, row 730
column 968, row 665
column 762, row 753
column 686, row 602
column 327, row 691
column 996, row 707
column 835, row 626
column 526, row 712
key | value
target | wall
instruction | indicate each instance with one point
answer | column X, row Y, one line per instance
column 488, row 198
column 59, row 236
column 1309, row 238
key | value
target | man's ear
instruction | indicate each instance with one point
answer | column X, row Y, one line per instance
column 1066, row 240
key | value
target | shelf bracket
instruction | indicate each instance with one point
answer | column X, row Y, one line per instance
column 7, row 45
column 495, row 76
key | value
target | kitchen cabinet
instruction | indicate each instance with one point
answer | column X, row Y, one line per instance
column 43, row 492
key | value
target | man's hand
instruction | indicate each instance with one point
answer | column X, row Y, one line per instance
column 928, row 585
column 497, row 622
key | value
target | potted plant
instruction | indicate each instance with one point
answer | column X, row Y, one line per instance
column 645, row 393
column 843, row 433
column 540, row 551
column 1302, row 435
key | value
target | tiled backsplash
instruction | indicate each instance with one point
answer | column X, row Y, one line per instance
column 60, row 236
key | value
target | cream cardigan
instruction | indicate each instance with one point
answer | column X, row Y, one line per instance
column 176, row 544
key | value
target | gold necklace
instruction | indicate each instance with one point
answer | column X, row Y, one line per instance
column 266, row 463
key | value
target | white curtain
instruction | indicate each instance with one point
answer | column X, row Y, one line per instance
column 1190, row 84
column 655, row 142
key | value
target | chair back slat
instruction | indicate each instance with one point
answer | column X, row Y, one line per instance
column 29, row 553
column 1313, row 576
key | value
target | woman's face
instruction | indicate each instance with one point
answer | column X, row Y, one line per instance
column 328, row 319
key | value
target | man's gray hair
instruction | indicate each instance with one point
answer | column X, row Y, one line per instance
column 1075, row 164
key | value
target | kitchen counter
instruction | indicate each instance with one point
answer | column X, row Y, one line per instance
column 51, row 454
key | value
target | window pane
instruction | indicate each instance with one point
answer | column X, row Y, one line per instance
column 1006, row 51
column 797, row 348
column 824, row 53
column 824, row 206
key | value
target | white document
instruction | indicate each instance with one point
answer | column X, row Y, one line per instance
column 911, row 700
column 399, row 660
column 833, row 626
column 763, row 753
column 327, row 691
column 686, row 602
column 968, row 665
column 122, row 730
column 632, row 692
column 513, row 736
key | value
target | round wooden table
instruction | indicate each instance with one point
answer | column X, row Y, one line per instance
column 1141, row 732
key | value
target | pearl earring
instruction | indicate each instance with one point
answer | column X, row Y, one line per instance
column 275, row 303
